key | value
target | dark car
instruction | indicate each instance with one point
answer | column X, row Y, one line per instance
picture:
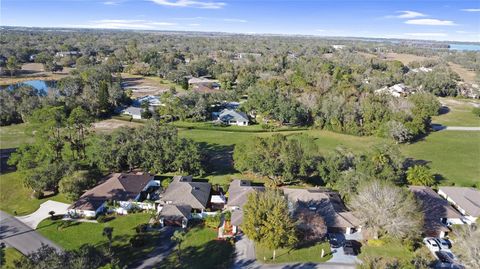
column 335, row 241
column 352, row 247
column 443, row 257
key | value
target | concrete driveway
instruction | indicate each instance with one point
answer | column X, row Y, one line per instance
column 36, row 217
column 338, row 255
column 20, row 236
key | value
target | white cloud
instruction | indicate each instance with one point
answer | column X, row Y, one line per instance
column 234, row 20
column 190, row 3
column 124, row 24
column 426, row 34
column 320, row 30
column 471, row 9
column 431, row 22
column 408, row 14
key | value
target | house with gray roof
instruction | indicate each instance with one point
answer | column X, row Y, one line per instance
column 238, row 192
column 183, row 193
column 465, row 199
column 175, row 215
column 438, row 214
column 326, row 203
column 231, row 117
column 134, row 112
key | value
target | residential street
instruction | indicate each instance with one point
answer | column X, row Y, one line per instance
column 245, row 258
column 164, row 248
column 20, row 236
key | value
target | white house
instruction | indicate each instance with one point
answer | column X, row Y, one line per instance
column 125, row 191
column 396, row 90
column 134, row 112
column 231, row 117
column 465, row 199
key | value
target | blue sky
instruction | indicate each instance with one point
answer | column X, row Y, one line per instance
column 415, row 19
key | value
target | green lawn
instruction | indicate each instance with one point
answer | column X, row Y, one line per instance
column 455, row 155
column 288, row 255
column 201, row 250
column 389, row 249
column 14, row 196
column 14, row 135
column 459, row 114
column 80, row 233
column 11, row 255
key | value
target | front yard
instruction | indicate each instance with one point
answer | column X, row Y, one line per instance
column 124, row 229
column 201, row 250
column 293, row 255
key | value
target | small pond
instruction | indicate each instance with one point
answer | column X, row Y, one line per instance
column 40, row 85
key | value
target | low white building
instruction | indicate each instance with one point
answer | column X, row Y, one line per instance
column 134, row 112
column 124, row 191
column 396, row 90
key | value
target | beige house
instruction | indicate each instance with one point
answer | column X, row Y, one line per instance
column 465, row 199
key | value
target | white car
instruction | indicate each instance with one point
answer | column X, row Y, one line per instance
column 444, row 244
column 431, row 244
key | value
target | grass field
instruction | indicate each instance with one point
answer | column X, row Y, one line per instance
column 80, row 233
column 14, row 196
column 389, row 249
column 14, row 135
column 201, row 250
column 303, row 255
column 11, row 255
column 455, row 155
column 459, row 113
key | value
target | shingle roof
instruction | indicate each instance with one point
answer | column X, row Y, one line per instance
column 118, row 187
column 239, row 190
column 434, row 208
column 229, row 114
column 326, row 203
column 466, row 198
column 133, row 110
column 175, row 211
column 182, row 191
column 237, row 217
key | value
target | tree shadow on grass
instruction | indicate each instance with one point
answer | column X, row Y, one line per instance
column 218, row 159
column 215, row 254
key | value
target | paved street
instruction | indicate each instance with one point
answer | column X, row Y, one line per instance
column 20, row 236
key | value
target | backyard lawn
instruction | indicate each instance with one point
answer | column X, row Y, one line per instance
column 459, row 113
column 14, row 196
column 14, row 135
column 303, row 255
column 79, row 233
column 201, row 250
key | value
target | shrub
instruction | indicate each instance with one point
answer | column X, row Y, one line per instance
column 37, row 194
column 376, row 242
column 138, row 241
column 141, row 228
column 101, row 219
column 476, row 111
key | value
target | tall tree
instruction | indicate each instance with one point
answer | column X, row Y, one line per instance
column 420, row 175
column 378, row 206
column 267, row 220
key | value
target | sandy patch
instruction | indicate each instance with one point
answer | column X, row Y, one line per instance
column 112, row 124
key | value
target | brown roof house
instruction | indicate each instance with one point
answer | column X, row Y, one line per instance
column 183, row 195
column 124, row 190
column 465, row 199
column 326, row 203
column 438, row 213
column 238, row 192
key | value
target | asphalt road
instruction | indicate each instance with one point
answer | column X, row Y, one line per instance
column 16, row 234
column 164, row 248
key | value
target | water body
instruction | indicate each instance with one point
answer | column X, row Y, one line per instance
column 465, row 47
column 40, row 85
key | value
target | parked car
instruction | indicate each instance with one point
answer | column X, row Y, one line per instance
column 444, row 244
column 352, row 247
column 431, row 244
column 335, row 241
column 444, row 256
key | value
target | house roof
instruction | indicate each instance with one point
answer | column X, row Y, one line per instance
column 118, row 187
column 239, row 190
column 434, row 208
column 183, row 191
column 324, row 202
column 201, row 80
column 466, row 198
column 237, row 217
column 171, row 211
column 229, row 114
column 133, row 110
column 152, row 100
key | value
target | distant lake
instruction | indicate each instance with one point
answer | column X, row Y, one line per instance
column 470, row 47
column 40, row 85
